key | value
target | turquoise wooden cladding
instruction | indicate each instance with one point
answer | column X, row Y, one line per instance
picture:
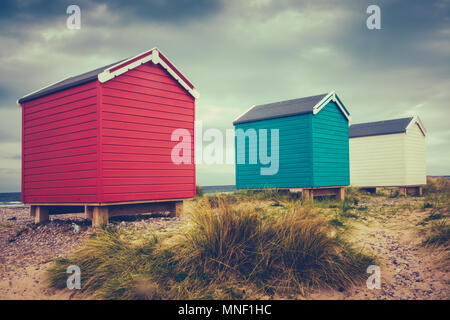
column 313, row 151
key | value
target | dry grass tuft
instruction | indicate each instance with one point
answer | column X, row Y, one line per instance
column 226, row 251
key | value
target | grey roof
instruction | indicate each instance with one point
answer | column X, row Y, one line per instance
column 280, row 109
column 379, row 127
column 67, row 83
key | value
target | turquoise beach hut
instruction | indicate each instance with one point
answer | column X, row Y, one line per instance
column 313, row 144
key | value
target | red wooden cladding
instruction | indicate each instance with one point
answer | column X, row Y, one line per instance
column 61, row 153
column 59, row 144
column 66, row 94
column 78, row 112
column 147, row 181
column 75, row 121
column 90, row 182
column 61, row 168
column 108, row 142
column 138, row 142
column 137, row 127
column 156, row 195
column 144, row 165
column 148, row 188
column 63, row 199
column 62, row 138
column 85, row 158
column 82, row 191
column 150, row 106
column 145, row 113
column 66, row 175
column 154, row 84
column 146, row 91
column 67, row 132
column 119, row 133
column 146, row 173
column 121, row 117
column 112, row 92
column 62, row 145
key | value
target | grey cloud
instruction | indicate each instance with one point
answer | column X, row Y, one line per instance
column 16, row 13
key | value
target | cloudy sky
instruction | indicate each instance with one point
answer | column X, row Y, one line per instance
column 239, row 53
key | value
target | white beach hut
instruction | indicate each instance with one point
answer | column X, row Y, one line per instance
column 388, row 153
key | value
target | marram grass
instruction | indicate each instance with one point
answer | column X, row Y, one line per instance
column 225, row 251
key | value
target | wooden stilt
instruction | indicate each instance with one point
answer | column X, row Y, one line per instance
column 88, row 212
column 32, row 211
column 307, row 194
column 420, row 191
column 402, row 191
column 100, row 216
column 177, row 209
column 40, row 214
column 340, row 195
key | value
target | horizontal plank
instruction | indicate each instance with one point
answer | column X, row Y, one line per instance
column 61, row 138
column 61, row 199
column 142, row 127
column 153, row 69
column 61, row 191
column 120, row 133
column 106, row 115
column 138, row 150
column 151, row 81
column 144, row 142
column 60, row 168
column 61, row 153
column 152, row 75
column 117, row 156
column 61, row 176
column 90, row 182
column 112, row 92
column 85, row 158
column 62, row 94
column 61, row 146
column 148, row 113
column 145, row 165
column 74, row 112
column 188, row 109
column 148, row 196
column 60, row 132
column 147, row 181
column 81, row 98
column 153, row 92
column 147, row 188
column 70, row 122
column 107, row 173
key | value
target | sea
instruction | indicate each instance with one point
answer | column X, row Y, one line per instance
column 13, row 199
column 10, row 199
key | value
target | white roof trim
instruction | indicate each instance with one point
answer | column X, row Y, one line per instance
column 331, row 96
column 417, row 120
column 245, row 112
column 107, row 75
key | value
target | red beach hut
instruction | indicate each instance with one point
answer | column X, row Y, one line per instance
column 101, row 142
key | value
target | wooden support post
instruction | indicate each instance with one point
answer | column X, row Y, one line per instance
column 100, row 216
column 340, row 194
column 307, row 194
column 32, row 211
column 40, row 214
column 177, row 209
column 419, row 191
column 88, row 212
column 402, row 191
